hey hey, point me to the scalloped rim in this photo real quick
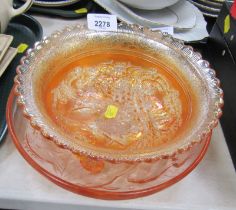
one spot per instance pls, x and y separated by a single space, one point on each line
187 51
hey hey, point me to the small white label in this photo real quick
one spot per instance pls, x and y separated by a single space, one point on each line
102 22
165 29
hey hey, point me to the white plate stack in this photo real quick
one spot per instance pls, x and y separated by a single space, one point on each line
183 17
209 8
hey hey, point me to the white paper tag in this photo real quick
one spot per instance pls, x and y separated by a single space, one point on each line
165 29
102 22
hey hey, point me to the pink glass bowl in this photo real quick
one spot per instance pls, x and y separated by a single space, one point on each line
141 165
109 180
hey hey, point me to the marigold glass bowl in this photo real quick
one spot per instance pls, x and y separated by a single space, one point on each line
134 108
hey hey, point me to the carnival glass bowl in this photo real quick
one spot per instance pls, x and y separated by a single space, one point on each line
131 98
130 95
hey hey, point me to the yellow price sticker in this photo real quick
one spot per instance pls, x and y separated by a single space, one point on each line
81 11
111 111
22 47
227 24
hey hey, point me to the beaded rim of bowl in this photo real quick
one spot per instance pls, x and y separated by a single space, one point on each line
187 51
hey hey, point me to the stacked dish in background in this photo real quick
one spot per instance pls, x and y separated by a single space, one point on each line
60 8
186 19
209 8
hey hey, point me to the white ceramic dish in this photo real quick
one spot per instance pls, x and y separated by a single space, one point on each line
149 4
179 15
7 12
198 32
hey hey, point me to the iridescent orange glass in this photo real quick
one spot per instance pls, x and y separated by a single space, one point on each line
127 112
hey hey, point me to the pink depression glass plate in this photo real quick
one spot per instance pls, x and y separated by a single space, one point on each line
104 180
